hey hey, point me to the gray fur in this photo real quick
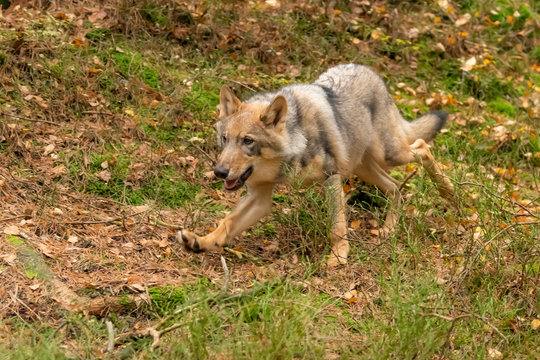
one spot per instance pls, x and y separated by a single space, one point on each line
345 113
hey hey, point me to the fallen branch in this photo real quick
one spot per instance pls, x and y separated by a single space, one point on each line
226 271
240 255
61 293
29 119
491 195
154 330
110 332
468 315
409 175
105 221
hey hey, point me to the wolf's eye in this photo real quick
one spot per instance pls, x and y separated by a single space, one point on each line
248 140
224 139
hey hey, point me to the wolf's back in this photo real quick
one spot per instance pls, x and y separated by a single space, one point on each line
357 86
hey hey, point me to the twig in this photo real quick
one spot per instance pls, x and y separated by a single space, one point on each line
490 194
164 224
409 175
226 270
104 221
212 160
110 331
12 218
236 82
467 315
98 113
242 254
29 119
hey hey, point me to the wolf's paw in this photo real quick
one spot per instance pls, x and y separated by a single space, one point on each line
338 254
334 261
190 240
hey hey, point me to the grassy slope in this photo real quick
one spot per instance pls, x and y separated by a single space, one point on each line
134 106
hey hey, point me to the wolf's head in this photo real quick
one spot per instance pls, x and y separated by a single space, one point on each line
251 136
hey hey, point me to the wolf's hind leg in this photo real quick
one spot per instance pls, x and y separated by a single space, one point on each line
422 155
371 172
338 232
256 204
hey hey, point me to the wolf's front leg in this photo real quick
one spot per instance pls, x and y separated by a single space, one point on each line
256 204
338 232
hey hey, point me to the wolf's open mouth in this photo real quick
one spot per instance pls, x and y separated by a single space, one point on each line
235 184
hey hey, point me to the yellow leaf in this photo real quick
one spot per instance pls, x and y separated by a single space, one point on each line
129 112
355 224
535 324
376 34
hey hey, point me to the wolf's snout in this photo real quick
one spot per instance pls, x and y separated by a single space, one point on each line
221 172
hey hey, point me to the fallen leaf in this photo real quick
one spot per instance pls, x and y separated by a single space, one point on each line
494 354
45 249
104 175
73 239
463 19
535 324
12 230
24 90
34 286
351 294
78 42
355 224
9 258
98 15
376 34
469 64
48 149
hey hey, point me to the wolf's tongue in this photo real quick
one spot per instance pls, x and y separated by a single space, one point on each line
230 184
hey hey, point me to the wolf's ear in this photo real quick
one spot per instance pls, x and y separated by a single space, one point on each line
228 102
276 113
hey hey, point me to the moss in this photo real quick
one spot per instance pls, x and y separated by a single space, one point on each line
3 58
98 34
131 64
502 106
166 298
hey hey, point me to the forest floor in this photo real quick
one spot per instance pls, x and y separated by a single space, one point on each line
107 146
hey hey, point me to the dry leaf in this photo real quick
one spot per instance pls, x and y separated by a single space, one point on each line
98 15
12 230
9 259
463 19
469 64
104 175
34 286
376 34
48 149
352 294
355 224
494 354
535 324
45 250
24 90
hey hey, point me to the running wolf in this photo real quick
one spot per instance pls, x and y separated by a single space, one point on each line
344 124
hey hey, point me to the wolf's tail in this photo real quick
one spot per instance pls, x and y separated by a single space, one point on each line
426 127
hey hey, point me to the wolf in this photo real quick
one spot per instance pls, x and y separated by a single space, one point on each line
344 124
